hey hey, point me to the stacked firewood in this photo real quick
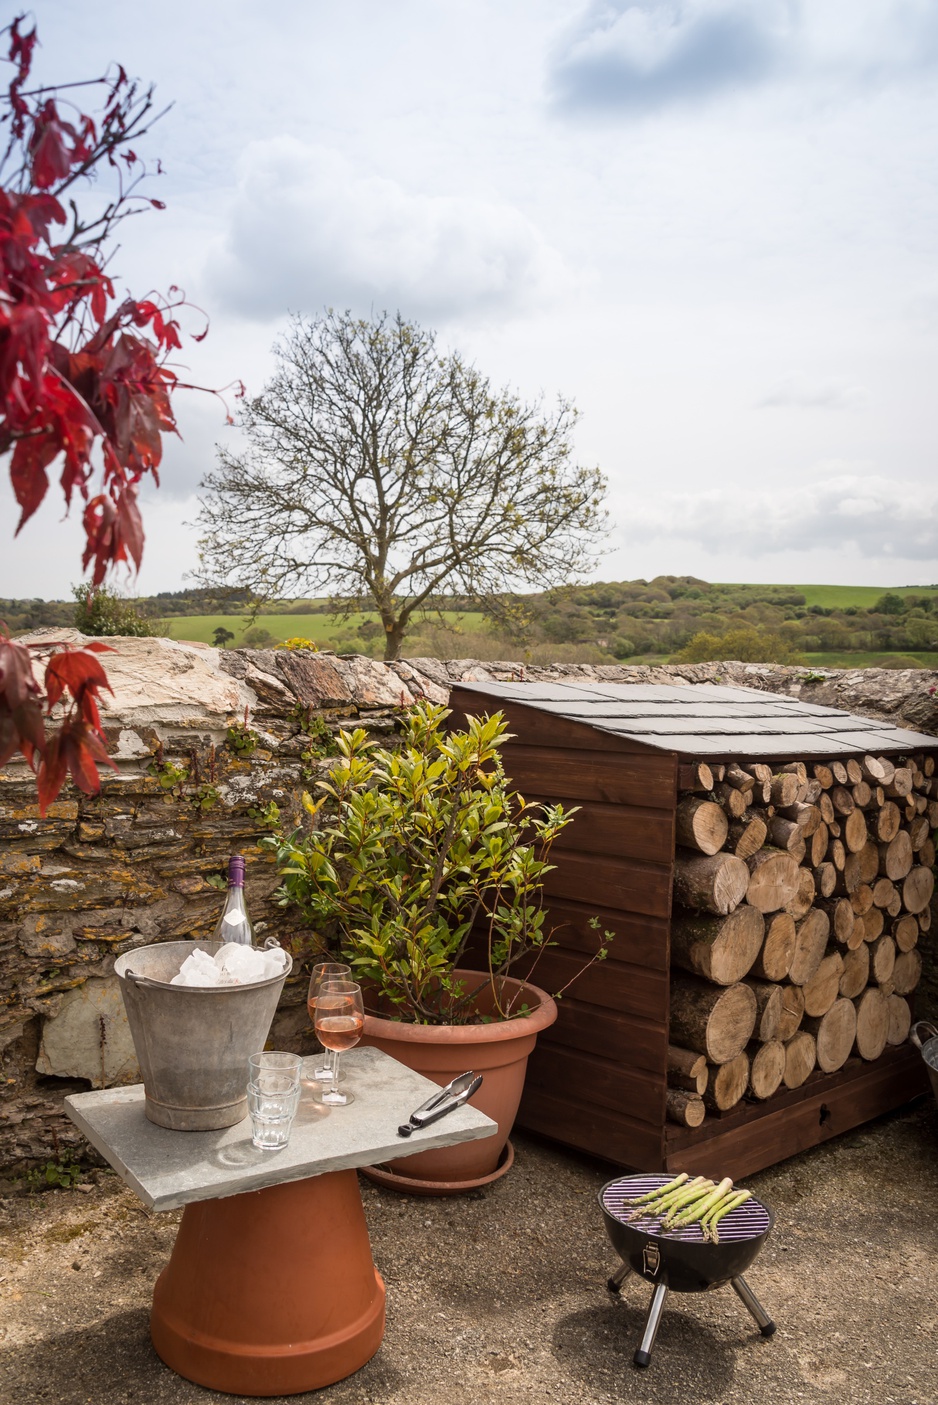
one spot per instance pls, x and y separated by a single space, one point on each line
800 892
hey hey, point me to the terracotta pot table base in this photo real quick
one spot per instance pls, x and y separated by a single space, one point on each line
271 1288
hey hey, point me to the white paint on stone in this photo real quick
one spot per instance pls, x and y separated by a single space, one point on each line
89 1037
158 681
130 746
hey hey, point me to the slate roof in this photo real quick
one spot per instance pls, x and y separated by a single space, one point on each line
706 720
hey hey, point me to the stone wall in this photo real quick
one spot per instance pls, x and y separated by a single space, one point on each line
144 860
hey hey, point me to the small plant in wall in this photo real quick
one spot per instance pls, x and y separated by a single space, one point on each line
267 816
171 778
206 797
241 740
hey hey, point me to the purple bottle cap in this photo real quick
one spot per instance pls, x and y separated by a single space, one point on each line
236 871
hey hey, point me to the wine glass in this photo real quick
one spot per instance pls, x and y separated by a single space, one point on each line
324 971
338 1020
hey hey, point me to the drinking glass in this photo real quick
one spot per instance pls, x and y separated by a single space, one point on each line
339 1019
273 1061
324 971
272 1103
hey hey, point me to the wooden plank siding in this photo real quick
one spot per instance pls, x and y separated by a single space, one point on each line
620 778
626 885
568 1118
640 941
603 1064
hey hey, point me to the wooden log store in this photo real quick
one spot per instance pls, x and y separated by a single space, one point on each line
766 866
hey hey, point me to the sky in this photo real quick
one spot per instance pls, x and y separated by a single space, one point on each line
710 223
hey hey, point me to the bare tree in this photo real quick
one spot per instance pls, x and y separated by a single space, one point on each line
383 473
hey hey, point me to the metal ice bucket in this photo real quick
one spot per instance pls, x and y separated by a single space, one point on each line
193 1042
929 1050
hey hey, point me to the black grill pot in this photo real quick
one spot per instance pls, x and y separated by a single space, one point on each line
682 1259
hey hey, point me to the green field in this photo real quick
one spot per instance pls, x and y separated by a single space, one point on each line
841 597
319 628
928 659
823 661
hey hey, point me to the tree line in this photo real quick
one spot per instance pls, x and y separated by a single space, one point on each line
680 617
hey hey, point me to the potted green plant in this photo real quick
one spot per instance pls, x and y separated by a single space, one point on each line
425 870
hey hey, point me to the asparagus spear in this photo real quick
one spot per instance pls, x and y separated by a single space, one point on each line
698 1209
717 1214
660 1191
688 1202
663 1202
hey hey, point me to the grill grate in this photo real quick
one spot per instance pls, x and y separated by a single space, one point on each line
747 1221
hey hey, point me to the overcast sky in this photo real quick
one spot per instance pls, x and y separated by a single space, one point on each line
711 223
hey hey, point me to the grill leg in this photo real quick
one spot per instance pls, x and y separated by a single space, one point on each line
748 1298
652 1321
618 1278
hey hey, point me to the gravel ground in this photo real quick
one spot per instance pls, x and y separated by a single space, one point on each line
500 1295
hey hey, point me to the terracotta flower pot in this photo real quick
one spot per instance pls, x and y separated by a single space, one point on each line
498 1051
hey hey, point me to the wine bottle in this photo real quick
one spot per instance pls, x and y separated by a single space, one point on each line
234 925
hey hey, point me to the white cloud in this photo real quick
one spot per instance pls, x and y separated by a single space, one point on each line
800 392
876 517
643 55
307 230
647 53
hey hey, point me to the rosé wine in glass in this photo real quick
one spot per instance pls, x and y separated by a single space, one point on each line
338 1019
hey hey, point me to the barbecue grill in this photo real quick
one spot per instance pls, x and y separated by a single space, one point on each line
682 1259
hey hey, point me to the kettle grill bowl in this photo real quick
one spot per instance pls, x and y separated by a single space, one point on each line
686 1262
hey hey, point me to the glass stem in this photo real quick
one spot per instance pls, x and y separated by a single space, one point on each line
335 1070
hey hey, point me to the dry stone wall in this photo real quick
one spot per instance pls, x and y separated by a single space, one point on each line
143 861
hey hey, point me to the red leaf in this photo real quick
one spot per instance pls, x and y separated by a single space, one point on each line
101 546
41 211
74 669
51 159
53 769
21 729
26 346
74 748
17 681
9 735
82 749
130 524
28 475
76 275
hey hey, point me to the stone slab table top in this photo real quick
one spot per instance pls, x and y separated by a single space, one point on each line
168 1169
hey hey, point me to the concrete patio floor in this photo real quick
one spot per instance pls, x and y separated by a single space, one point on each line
500 1296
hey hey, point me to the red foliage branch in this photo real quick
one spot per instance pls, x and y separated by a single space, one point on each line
77 744
84 377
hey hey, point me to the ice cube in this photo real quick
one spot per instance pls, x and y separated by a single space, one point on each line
199 969
245 963
275 962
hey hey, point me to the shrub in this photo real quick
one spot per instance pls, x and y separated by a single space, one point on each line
896 661
747 645
100 611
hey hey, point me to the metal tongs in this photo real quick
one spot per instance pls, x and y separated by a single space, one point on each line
452 1096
